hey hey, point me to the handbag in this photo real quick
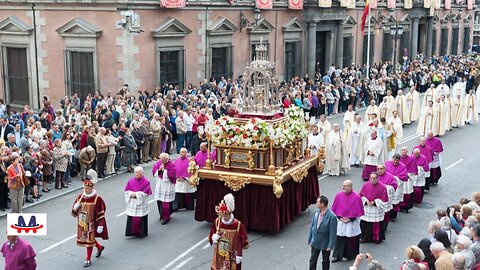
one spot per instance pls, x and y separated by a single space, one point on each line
25 181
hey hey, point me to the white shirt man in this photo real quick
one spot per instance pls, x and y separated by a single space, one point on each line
448 111
413 104
427 120
315 141
373 154
356 141
471 109
458 112
348 118
402 108
336 152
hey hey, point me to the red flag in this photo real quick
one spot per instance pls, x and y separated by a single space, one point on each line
264 4
295 4
364 16
172 3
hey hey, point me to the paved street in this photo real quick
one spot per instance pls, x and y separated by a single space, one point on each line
182 244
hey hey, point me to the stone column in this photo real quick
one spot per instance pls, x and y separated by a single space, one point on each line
339 48
312 39
428 53
414 45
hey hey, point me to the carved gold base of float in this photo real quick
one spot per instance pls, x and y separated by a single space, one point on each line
237 180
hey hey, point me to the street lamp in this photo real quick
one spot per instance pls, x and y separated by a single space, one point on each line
244 22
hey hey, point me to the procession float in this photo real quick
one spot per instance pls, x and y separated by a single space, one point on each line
260 156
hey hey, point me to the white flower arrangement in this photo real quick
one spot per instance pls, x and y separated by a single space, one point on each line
256 133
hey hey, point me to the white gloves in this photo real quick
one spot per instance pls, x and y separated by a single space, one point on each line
215 238
99 229
77 206
238 259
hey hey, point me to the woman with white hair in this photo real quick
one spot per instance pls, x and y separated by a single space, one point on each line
463 247
446 225
459 261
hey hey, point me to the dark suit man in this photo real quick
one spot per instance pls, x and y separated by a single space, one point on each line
323 234
5 128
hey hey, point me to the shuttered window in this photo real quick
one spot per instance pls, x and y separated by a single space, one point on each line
80 73
172 67
221 62
16 75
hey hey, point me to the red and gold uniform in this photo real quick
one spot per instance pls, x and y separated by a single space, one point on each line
89 209
90 215
229 237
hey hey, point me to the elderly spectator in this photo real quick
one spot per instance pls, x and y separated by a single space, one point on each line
130 150
443 259
60 158
46 160
156 129
459 262
86 158
446 226
147 135
102 151
110 163
463 247
181 127
139 137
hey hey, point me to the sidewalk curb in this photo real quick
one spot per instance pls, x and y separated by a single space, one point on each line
119 173
3 214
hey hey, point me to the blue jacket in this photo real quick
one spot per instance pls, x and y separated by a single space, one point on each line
326 235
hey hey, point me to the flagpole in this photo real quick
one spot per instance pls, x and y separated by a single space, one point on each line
368 43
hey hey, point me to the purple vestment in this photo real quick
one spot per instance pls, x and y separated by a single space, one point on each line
435 144
169 166
141 184
426 151
181 167
201 158
422 162
20 257
399 171
410 163
373 192
348 205
388 179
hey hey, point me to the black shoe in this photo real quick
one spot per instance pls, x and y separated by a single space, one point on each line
334 260
99 252
87 263
164 222
29 201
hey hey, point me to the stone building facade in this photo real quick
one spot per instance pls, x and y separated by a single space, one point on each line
60 47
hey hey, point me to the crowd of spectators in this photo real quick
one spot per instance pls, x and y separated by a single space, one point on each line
453 241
